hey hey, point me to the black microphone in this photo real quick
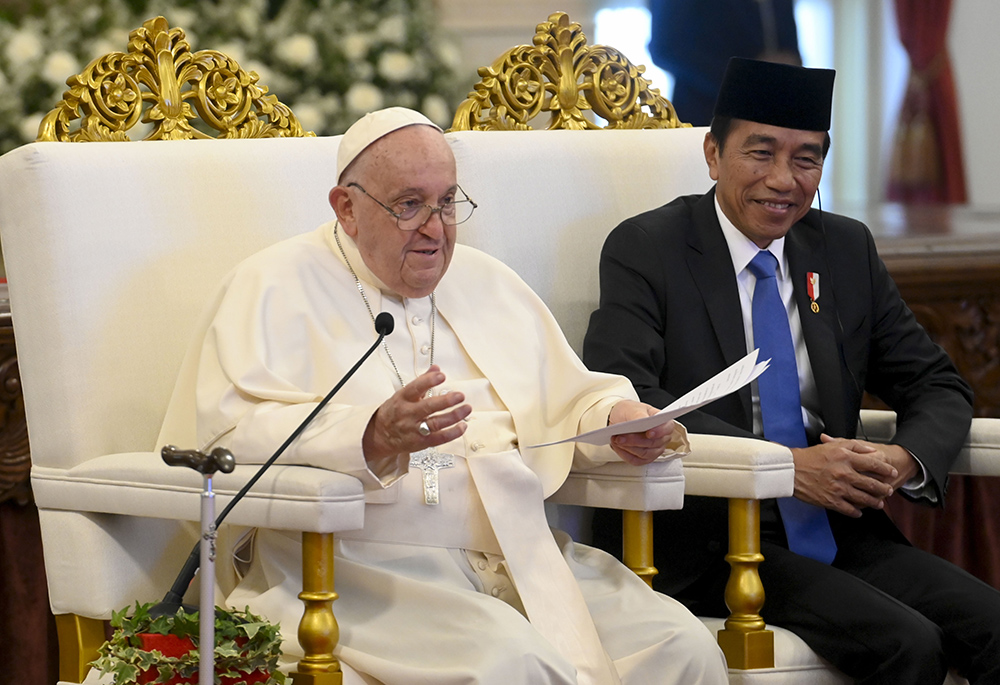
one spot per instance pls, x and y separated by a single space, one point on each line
173 600
384 324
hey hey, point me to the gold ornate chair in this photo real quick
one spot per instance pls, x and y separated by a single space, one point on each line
111 250
560 74
97 237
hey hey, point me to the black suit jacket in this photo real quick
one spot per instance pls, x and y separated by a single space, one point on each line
670 318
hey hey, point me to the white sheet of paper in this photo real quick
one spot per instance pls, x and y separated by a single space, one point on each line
719 385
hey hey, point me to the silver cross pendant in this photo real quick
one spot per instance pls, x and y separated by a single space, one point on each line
430 461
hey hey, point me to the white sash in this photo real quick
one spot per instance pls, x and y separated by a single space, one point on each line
512 496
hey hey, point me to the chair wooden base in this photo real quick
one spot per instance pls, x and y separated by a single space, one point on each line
81 638
79 641
637 533
318 630
745 641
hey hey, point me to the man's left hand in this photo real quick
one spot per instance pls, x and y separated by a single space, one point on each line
638 448
906 465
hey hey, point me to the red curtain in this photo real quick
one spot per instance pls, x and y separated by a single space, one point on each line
927 156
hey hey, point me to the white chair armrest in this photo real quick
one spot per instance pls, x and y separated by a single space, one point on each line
743 468
980 456
718 466
618 485
877 425
297 498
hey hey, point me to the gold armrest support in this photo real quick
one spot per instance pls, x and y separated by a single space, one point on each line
318 630
745 641
79 641
637 534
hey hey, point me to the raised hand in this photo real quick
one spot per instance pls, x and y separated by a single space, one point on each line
396 426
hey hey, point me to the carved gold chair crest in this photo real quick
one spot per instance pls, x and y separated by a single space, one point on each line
561 74
160 82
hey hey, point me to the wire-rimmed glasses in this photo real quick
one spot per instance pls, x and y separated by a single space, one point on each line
413 216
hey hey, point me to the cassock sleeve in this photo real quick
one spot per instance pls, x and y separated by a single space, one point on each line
264 366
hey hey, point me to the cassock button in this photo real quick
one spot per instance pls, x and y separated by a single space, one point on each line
425 349
496 592
417 320
482 565
477 446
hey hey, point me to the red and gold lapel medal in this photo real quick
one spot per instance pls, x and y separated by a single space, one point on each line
812 287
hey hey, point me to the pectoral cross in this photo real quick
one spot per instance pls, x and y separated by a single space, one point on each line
430 461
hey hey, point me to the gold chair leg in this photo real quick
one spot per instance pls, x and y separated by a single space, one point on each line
744 640
318 630
637 531
79 641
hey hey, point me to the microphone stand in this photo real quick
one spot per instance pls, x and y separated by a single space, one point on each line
220 459
203 555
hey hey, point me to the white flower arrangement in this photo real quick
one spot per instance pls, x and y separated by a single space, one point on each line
331 61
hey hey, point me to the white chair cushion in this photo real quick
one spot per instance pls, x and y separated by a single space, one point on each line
618 485
102 563
723 466
140 484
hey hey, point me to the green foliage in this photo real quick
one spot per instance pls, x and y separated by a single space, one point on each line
244 643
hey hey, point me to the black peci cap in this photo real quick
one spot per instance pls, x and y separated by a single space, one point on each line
776 94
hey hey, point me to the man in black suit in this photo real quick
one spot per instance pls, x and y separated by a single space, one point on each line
678 305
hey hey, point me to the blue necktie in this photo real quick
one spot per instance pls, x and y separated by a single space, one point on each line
806 526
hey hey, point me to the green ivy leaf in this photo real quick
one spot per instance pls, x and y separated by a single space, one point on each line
251 629
184 624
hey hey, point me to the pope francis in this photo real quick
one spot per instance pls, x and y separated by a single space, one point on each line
455 577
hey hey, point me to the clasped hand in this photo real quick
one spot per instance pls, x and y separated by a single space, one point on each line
850 475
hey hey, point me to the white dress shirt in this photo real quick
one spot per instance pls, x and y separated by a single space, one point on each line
743 250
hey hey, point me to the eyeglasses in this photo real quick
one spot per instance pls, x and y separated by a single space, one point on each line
413 215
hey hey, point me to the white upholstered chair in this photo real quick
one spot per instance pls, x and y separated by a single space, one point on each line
528 87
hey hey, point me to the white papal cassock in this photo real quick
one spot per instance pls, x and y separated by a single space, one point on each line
432 594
